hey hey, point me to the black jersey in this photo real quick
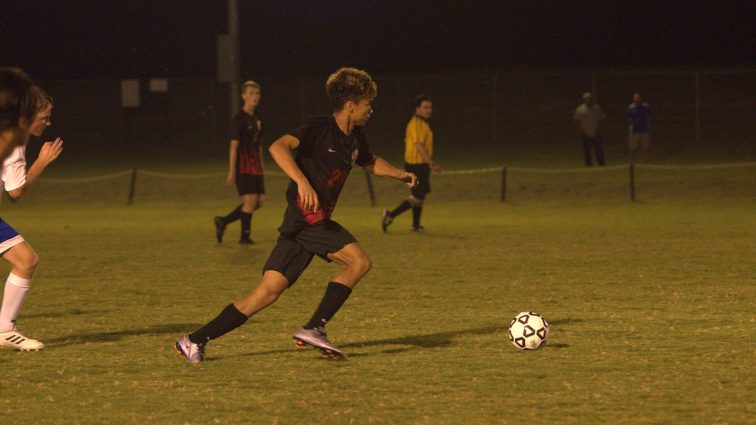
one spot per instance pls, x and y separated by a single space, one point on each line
326 156
247 129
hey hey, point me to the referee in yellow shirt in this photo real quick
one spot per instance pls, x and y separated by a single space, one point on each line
418 159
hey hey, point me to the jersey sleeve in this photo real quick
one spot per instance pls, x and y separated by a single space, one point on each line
14 172
365 155
576 115
236 128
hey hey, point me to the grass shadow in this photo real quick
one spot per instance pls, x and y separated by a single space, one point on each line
413 342
65 313
118 335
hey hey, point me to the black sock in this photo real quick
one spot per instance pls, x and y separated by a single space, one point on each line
404 206
233 215
416 212
246 224
229 319
334 297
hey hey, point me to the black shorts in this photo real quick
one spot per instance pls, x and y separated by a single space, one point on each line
422 171
293 254
250 184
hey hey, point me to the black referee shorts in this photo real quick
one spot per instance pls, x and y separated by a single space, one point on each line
250 184
422 171
292 254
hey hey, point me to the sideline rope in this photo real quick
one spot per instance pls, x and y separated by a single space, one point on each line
86 179
697 167
198 176
444 173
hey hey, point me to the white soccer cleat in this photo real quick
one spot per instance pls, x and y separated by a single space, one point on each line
19 341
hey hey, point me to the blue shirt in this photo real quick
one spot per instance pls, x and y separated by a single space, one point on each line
639 117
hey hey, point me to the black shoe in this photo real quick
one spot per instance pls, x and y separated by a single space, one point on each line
220 227
386 220
246 241
418 229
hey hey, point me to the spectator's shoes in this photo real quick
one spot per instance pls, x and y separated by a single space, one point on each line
418 229
317 338
15 339
220 227
193 353
386 220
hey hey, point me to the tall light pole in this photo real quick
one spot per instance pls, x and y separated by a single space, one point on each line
229 53
233 33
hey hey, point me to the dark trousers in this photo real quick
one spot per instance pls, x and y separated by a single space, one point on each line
597 146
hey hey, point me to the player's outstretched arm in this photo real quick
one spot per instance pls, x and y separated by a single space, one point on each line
280 150
381 168
47 155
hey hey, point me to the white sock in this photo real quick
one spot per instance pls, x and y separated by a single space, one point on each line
15 290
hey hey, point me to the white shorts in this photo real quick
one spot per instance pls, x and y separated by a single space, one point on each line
635 140
9 237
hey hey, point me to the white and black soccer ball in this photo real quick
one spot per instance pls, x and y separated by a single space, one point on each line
528 331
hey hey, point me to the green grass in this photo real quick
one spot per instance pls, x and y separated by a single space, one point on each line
651 306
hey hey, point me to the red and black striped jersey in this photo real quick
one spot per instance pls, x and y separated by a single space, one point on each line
326 156
247 129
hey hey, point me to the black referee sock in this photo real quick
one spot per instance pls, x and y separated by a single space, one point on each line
416 213
334 298
404 206
233 215
229 319
246 224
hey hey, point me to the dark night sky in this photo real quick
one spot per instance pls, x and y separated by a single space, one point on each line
171 38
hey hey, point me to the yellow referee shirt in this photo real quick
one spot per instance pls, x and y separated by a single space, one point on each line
418 131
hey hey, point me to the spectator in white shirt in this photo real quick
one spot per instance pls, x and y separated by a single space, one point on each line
587 117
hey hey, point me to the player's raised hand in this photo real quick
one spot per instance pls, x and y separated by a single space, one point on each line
410 179
308 197
50 151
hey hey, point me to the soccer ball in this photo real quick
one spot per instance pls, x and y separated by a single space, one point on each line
528 331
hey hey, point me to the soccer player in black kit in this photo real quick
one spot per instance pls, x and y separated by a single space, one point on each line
245 169
326 150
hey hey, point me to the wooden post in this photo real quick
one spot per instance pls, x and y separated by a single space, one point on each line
503 184
632 182
371 192
132 187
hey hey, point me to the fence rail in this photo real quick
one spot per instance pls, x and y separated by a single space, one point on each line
504 171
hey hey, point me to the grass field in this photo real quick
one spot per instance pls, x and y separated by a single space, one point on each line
651 307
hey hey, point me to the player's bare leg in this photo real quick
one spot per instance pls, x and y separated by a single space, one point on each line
355 264
192 346
24 262
272 285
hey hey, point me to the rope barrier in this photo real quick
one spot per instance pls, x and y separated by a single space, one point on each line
445 172
86 179
696 167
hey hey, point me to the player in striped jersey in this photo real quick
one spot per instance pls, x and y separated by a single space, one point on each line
245 165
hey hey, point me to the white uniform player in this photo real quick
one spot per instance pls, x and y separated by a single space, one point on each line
13 248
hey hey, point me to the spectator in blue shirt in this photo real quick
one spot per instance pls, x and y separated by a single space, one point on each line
639 116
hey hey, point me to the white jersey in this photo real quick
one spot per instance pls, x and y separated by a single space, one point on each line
589 117
14 169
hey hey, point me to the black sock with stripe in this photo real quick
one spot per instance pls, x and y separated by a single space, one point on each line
229 319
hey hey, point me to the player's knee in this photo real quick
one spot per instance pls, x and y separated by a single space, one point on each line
415 201
259 203
362 264
29 262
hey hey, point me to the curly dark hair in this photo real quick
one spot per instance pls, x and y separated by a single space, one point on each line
350 84
16 98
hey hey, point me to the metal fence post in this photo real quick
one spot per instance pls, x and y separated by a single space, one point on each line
632 182
132 187
503 183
